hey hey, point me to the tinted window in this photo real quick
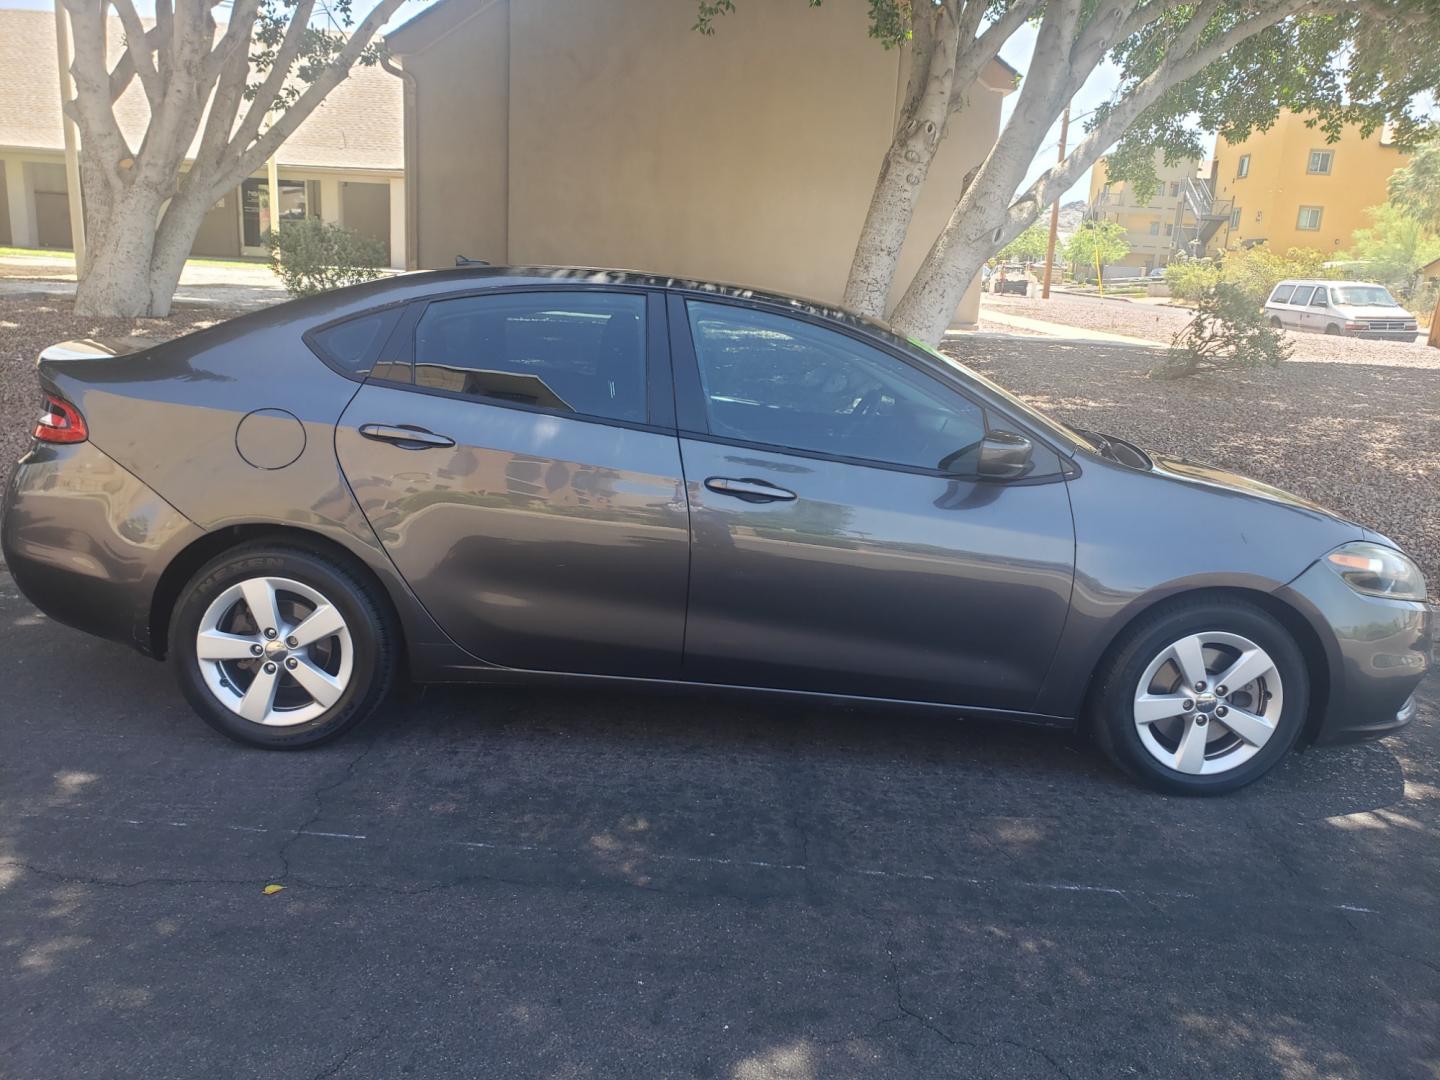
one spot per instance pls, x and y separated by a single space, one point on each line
572 351
780 381
352 344
1320 298
1282 294
1302 295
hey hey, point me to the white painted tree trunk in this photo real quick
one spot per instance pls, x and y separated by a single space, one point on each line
117 279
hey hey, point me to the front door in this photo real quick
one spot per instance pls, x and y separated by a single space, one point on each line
516 464
841 540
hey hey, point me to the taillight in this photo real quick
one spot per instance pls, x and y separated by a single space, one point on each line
60 422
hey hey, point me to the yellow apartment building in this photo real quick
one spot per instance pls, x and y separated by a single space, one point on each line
1168 223
1287 187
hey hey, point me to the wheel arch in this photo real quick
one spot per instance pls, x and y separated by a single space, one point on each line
1295 621
212 544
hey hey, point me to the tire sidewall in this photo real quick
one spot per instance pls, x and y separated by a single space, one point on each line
1120 736
367 670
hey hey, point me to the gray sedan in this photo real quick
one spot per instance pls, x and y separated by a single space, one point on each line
535 475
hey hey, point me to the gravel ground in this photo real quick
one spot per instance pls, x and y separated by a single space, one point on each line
28 325
1161 322
1360 437
1359 434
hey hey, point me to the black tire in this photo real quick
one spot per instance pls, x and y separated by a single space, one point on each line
372 636
1332 330
1276 323
1112 716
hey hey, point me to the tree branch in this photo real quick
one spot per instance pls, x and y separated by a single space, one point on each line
979 52
269 91
138 49
251 157
91 107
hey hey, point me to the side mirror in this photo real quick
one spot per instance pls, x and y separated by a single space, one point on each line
1004 456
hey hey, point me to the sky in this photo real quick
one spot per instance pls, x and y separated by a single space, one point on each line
1017 50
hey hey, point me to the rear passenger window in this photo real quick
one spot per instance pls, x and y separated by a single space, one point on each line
574 352
1282 294
1302 295
351 345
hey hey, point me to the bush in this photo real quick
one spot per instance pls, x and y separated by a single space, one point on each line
313 256
1257 270
1190 279
1229 330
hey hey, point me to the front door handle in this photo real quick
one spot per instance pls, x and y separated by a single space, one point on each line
750 490
411 438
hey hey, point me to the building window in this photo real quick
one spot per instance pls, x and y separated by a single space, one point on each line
299 199
1169 230
1242 168
1235 218
1154 228
1309 219
1320 162
1174 188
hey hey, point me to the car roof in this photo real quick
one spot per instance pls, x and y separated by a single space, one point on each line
418 284
1325 281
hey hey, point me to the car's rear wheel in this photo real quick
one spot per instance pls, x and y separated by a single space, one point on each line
1202 698
281 648
1276 322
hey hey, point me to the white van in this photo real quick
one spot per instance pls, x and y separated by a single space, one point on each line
1355 308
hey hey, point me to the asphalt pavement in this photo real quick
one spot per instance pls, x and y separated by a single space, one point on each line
512 883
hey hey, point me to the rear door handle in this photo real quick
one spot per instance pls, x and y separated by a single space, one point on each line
750 490
411 438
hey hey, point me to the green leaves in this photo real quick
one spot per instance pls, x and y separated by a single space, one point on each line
1095 245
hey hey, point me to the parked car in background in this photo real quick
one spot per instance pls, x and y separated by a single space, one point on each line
584 477
1353 308
1010 278
1158 274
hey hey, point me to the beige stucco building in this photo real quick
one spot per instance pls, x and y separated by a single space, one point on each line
344 163
610 133
1178 218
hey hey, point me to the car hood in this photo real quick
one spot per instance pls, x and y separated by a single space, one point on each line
1374 312
1193 472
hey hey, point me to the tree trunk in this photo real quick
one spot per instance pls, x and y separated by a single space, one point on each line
907 162
117 278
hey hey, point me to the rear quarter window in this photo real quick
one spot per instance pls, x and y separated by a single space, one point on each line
351 345
1282 294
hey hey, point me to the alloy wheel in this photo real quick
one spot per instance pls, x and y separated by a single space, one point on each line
274 651
1208 703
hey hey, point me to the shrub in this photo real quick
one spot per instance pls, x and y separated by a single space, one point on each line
1229 330
1257 270
1190 279
313 256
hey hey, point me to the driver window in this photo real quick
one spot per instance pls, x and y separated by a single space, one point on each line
780 381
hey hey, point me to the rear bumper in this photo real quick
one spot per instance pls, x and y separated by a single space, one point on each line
1377 651
86 541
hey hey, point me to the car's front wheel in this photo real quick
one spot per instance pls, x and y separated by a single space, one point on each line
1202 698
280 647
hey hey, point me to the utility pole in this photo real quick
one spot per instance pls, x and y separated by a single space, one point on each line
1055 212
72 153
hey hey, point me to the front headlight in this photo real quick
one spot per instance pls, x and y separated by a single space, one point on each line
1376 570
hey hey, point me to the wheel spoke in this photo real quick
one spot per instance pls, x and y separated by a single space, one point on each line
318 684
1189 653
1252 664
260 698
1152 707
260 599
218 645
1253 728
320 624
1190 754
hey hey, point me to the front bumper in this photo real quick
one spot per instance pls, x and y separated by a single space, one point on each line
1377 652
1384 335
86 541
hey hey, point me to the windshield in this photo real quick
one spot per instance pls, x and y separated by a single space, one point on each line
1039 419
1363 296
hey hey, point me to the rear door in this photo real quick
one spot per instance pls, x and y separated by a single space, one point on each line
515 453
842 542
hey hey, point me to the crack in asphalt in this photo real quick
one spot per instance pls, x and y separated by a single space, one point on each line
319 795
